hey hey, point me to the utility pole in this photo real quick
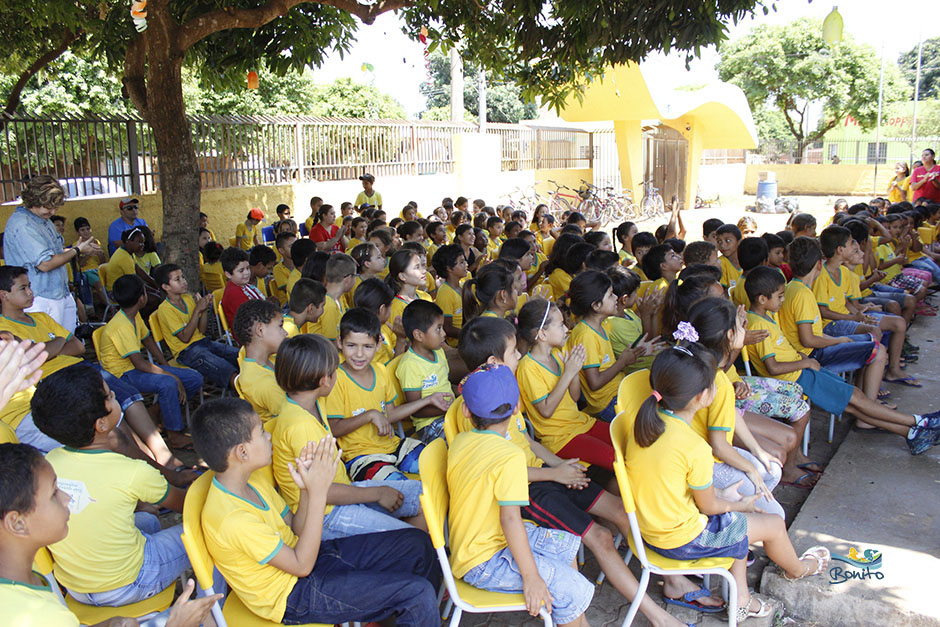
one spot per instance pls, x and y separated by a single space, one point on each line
881 88
920 50
481 84
456 85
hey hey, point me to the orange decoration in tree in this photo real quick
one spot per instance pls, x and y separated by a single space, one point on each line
252 80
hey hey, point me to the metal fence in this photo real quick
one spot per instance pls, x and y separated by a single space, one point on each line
886 151
118 156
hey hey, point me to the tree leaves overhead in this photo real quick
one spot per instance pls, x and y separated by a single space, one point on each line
929 70
789 66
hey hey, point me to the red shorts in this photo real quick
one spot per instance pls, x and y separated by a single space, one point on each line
593 447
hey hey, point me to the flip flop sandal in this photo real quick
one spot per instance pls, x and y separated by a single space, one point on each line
883 394
888 405
689 600
910 382
820 554
798 483
751 558
807 468
746 612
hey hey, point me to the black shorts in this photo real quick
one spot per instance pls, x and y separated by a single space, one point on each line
554 506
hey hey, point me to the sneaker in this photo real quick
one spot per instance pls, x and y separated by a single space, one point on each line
924 438
933 420
910 347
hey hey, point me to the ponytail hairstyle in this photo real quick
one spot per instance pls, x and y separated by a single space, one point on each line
322 211
532 318
586 290
483 289
560 250
680 296
363 253
712 319
678 375
398 263
622 234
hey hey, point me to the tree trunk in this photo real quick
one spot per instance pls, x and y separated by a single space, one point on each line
180 180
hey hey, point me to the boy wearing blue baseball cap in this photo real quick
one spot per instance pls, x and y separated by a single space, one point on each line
491 547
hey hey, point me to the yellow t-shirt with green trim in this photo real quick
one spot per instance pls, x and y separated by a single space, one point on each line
730 275
883 253
600 355
451 303
122 262
398 307
662 478
375 199
485 471
415 373
721 414
799 307
328 323
774 345
859 271
278 285
243 538
245 237
536 382
559 281
259 387
455 422
831 291
103 550
294 426
173 320
292 278
41 328
26 605
348 399
120 339
739 295
213 277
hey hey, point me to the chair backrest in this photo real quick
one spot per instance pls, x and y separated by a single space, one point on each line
618 436
156 328
634 389
96 341
435 498
193 539
304 232
103 275
267 234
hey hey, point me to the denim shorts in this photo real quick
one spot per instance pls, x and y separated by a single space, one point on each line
847 357
360 518
724 535
608 413
882 288
164 561
554 551
841 328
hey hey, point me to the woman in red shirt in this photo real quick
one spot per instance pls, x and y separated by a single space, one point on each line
325 233
925 180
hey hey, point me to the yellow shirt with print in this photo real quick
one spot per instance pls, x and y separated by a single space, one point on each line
536 382
799 307
662 478
484 472
721 414
348 399
41 328
245 237
600 355
294 426
559 281
25 605
173 320
120 339
739 295
451 303
258 386
774 345
730 275
831 291
883 253
278 285
417 374
103 550
398 308
375 199
122 262
858 270
243 538
147 261
456 422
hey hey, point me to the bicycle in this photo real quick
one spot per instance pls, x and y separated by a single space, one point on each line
652 205
707 203
559 203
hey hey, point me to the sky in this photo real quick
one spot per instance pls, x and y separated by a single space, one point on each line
399 62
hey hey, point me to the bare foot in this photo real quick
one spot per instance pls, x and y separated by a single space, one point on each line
178 440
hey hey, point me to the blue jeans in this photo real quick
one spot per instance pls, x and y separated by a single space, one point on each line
608 413
216 361
881 288
370 578
125 393
846 357
928 264
164 561
363 518
164 386
553 551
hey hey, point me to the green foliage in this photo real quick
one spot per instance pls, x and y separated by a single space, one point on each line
770 123
442 114
786 67
929 68
347 99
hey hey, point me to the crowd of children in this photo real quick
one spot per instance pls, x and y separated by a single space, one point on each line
349 345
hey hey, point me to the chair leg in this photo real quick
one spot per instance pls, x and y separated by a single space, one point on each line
806 441
580 556
732 585
456 619
447 608
640 593
832 424
546 618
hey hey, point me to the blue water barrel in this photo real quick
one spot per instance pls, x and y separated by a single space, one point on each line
767 189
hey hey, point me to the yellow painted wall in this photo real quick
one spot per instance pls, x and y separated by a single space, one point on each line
570 177
808 179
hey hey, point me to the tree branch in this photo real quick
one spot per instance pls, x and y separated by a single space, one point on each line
201 27
824 129
13 100
135 71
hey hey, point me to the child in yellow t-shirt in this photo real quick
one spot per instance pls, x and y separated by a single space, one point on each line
89 262
306 370
361 406
451 265
338 279
376 295
680 512
112 555
211 272
423 370
258 327
267 554
407 273
727 237
306 304
247 233
261 260
282 270
637 317
184 322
